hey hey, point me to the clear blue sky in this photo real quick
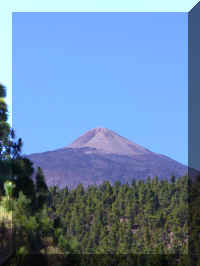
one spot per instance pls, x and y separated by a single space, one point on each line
124 71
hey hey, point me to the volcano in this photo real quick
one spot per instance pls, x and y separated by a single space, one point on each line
108 141
99 155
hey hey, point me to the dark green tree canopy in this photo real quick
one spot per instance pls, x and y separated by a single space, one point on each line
41 188
9 148
13 166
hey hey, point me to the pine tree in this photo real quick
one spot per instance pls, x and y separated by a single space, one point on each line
4 126
13 166
9 148
41 188
23 171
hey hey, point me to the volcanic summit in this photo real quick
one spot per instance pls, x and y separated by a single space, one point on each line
101 154
108 141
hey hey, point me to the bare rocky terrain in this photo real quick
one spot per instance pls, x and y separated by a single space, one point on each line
101 154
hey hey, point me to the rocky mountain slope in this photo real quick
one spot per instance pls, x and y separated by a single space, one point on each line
101 154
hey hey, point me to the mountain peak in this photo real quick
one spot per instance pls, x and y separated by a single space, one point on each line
100 129
101 154
108 141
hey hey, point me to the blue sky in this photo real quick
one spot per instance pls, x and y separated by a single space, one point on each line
8 7
124 71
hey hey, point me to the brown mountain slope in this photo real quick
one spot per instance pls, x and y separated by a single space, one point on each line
109 142
101 154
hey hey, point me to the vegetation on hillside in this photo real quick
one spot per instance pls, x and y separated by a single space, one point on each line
147 217
114 224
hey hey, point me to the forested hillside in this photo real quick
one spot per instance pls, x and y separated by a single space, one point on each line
149 221
142 218
147 217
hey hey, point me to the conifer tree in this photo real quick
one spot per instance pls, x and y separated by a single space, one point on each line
9 148
22 169
41 188
13 166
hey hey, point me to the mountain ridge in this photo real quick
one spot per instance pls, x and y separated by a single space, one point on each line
99 155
